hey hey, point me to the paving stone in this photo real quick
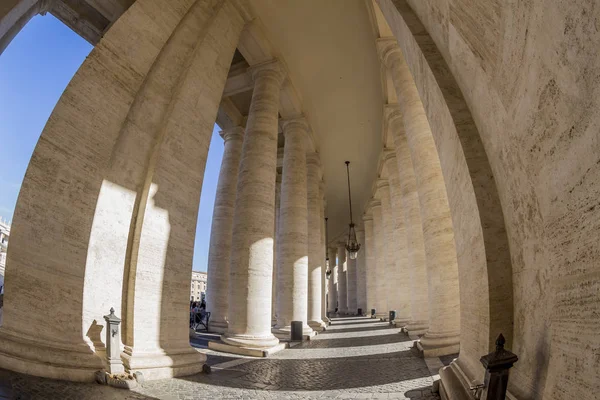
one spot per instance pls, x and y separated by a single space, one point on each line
346 362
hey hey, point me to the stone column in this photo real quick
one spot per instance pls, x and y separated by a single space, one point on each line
398 249
315 261
392 274
323 253
333 280
370 261
379 273
252 250
219 251
342 279
292 236
351 279
276 229
443 334
419 292
361 272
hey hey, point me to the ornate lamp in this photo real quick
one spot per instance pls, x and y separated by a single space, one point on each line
352 245
328 273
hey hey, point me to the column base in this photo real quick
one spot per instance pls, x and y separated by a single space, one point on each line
439 344
382 316
416 328
250 341
217 326
285 332
400 322
317 326
246 351
54 360
163 364
454 384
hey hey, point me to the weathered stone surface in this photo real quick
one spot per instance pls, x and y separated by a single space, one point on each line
107 173
292 235
443 334
219 252
251 266
315 252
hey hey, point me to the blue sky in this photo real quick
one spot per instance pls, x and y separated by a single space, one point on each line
34 71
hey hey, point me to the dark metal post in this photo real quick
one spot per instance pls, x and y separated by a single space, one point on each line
296 332
373 311
497 365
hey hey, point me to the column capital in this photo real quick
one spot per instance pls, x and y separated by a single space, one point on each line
294 124
269 69
388 50
367 217
234 133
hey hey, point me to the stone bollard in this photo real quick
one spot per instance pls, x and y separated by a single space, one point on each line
497 365
113 341
296 331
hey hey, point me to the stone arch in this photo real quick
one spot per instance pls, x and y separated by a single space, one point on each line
107 211
485 271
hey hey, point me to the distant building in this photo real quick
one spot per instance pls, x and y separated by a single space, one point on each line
198 286
4 235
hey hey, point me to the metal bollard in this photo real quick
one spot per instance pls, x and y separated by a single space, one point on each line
373 312
392 316
296 332
497 364
360 311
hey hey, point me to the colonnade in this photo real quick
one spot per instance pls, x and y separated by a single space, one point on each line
271 271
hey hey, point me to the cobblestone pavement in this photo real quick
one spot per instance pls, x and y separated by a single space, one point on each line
356 358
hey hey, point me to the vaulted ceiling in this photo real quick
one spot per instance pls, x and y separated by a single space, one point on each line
329 50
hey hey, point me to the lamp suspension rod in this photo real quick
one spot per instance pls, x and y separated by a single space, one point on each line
349 194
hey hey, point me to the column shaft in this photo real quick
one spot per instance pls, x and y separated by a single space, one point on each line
351 277
370 262
323 251
442 267
419 292
342 279
361 273
219 252
380 286
276 227
315 261
333 280
392 272
292 249
399 251
252 246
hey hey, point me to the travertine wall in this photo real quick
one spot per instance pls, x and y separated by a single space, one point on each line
528 74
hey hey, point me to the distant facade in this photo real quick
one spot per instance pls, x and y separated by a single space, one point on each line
198 286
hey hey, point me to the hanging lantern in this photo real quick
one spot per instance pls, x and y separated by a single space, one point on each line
352 245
